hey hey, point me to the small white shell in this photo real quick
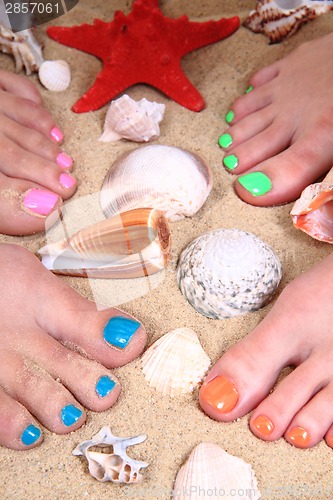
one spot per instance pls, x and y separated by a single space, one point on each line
116 466
134 120
210 471
55 75
164 177
176 363
228 272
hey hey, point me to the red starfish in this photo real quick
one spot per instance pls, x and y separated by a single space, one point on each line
142 47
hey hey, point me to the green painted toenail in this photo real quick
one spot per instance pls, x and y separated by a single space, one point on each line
230 162
229 116
249 89
225 140
256 183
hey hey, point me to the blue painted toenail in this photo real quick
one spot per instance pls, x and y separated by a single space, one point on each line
119 331
30 435
104 386
70 414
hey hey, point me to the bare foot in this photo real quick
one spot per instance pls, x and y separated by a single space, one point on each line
281 131
34 171
297 331
47 334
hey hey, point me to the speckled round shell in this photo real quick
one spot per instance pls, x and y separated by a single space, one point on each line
228 272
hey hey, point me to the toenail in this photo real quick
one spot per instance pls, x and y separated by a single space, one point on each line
263 424
256 183
220 393
104 386
67 181
299 436
230 162
119 331
70 414
229 116
56 134
225 140
249 89
30 435
329 441
40 201
64 161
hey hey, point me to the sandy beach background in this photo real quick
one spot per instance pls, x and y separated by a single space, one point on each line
173 426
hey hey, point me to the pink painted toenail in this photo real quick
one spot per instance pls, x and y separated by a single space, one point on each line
299 436
67 181
40 201
263 425
56 134
64 161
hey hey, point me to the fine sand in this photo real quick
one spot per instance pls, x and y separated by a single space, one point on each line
173 426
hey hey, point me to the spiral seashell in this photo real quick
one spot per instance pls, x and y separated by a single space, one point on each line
313 211
168 370
164 177
55 75
133 120
133 244
228 272
23 46
211 469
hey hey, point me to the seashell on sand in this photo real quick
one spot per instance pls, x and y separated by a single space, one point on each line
164 177
176 363
313 211
133 120
24 47
279 19
228 272
115 466
55 75
212 471
131 245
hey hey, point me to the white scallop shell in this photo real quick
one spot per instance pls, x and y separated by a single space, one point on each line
210 471
279 19
164 177
228 272
134 120
176 363
116 466
55 75
23 46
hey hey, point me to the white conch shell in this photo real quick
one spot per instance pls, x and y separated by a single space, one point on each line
211 469
228 272
131 245
116 466
55 75
164 177
313 211
176 363
279 19
134 120
24 47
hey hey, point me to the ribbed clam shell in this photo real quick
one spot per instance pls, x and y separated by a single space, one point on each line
55 75
133 120
279 19
176 363
212 471
228 272
131 245
116 466
164 177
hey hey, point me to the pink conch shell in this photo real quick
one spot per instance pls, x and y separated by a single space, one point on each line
279 19
313 211
133 120
23 46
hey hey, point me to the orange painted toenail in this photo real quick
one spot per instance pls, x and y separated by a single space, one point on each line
263 425
330 441
220 393
299 436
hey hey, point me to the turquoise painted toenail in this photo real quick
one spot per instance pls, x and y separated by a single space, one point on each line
70 414
229 116
104 386
30 435
256 183
249 89
230 162
119 331
225 140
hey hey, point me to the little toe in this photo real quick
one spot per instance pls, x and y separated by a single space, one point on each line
265 74
19 85
250 102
